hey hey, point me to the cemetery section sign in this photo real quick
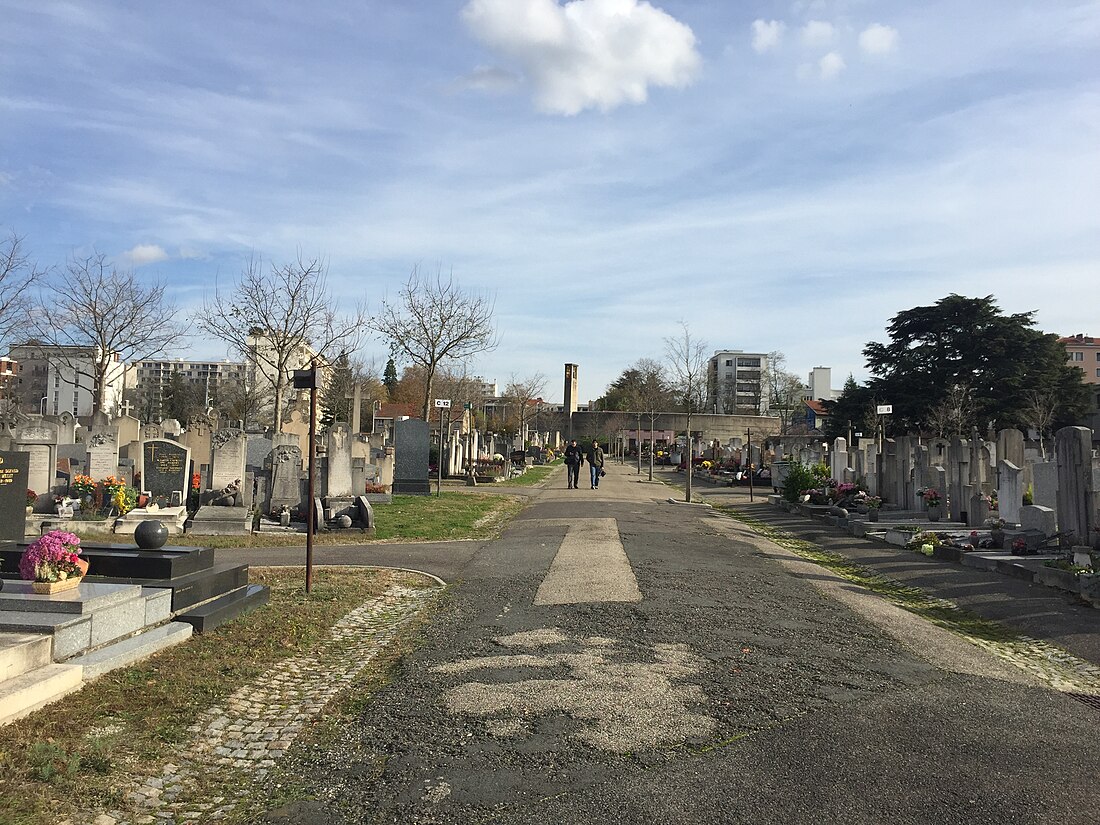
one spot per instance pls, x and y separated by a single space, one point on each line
14 469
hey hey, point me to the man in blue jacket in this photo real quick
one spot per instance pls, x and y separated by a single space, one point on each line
574 458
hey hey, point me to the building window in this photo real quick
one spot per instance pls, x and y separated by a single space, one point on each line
1098 372
1077 356
729 363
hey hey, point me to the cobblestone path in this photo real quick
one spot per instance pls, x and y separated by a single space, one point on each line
260 720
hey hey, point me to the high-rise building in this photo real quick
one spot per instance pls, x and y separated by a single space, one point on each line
54 379
151 380
736 383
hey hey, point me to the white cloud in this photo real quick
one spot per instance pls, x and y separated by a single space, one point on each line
878 39
145 254
831 65
491 79
766 34
818 33
588 53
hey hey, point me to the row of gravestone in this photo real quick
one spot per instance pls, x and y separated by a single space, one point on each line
970 473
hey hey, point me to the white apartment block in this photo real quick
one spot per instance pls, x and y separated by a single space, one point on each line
152 378
737 383
53 380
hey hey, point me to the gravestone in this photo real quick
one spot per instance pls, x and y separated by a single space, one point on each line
228 457
102 454
285 471
66 428
1073 448
1044 476
151 431
39 440
164 469
411 445
338 449
1010 493
1034 517
14 467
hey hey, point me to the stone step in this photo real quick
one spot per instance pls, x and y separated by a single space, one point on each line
22 652
87 597
74 633
216 612
200 586
31 690
133 649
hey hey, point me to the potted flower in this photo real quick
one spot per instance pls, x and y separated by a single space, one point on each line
83 487
932 499
52 563
996 531
32 497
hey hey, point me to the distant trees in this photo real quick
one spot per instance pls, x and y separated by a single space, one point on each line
278 318
97 318
967 343
525 392
338 394
784 388
433 321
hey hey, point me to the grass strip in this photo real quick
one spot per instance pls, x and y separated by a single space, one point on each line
530 477
448 517
80 752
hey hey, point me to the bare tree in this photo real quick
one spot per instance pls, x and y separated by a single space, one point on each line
433 320
952 415
279 318
1040 410
784 388
525 393
18 274
96 318
651 395
244 403
687 360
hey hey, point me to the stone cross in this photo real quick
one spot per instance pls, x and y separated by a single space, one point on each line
356 398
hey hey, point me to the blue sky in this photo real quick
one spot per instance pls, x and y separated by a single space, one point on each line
781 175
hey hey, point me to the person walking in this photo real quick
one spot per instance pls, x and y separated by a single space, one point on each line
574 458
595 463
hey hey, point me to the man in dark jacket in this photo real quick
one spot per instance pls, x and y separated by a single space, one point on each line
595 463
574 458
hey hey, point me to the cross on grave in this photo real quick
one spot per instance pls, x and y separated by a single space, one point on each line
126 407
356 398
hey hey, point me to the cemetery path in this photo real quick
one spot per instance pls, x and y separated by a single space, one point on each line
616 658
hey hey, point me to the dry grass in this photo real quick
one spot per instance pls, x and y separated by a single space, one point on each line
83 749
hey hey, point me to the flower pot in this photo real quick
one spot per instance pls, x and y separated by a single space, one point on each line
935 513
872 514
150 534
997 537
49 588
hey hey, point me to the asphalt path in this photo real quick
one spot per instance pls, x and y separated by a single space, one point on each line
617 658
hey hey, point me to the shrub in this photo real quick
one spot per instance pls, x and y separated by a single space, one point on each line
799 478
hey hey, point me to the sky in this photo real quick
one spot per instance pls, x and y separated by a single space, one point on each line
779 176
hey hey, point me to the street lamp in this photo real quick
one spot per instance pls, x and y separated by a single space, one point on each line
42 405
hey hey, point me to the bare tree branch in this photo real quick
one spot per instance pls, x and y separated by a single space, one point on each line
687 359
433 321
18 274
98 317
279 318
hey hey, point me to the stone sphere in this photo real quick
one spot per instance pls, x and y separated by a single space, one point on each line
344 521
150 535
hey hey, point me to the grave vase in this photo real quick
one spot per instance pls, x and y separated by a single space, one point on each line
872 514
997 537
935 512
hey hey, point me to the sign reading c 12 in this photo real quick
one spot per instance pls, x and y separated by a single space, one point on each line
443 403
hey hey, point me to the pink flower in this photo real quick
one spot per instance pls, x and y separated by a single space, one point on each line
47 558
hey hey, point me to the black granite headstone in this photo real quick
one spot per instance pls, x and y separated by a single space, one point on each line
165 465
411 448
14 470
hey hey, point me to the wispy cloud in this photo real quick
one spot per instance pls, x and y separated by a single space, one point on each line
817 33
878 39
143 254
831 65
766 34
588 53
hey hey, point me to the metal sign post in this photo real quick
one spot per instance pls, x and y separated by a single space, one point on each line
441 404
301 380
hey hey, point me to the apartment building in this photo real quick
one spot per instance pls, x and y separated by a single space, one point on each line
151 380
736 383
54 379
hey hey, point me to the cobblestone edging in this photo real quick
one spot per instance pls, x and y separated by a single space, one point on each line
260 720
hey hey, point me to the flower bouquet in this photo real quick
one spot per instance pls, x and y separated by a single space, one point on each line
82 486
931 497
53 563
